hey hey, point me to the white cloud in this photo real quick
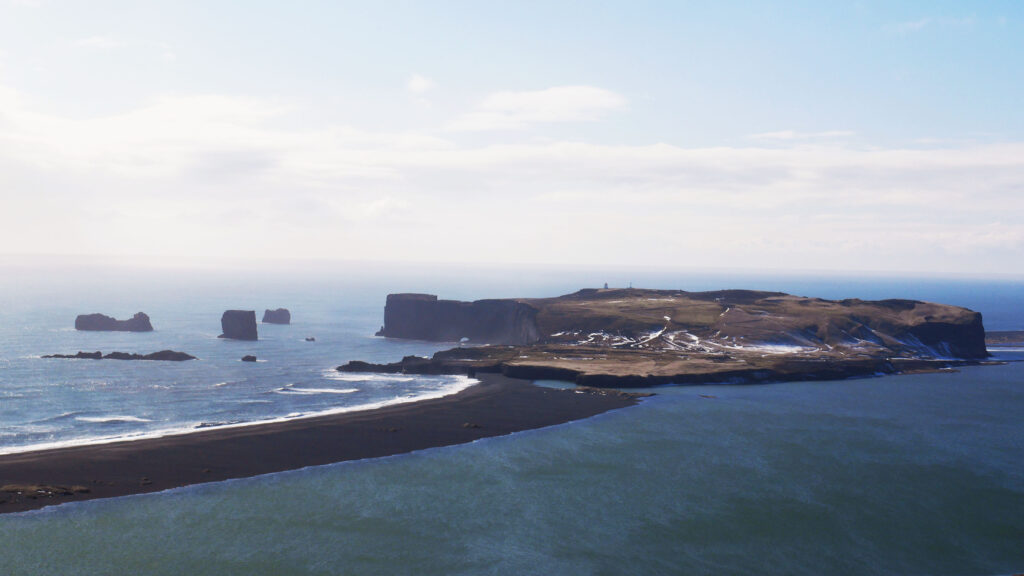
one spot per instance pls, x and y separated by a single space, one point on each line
419 85
167 53
195 175
517 110
164 52
100 43
796 135
912 26
965 23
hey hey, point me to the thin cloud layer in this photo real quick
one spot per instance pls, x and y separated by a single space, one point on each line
418 84
198 174
796 135
518 110
99 42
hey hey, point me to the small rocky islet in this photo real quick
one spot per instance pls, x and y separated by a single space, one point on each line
103 323
235 325
239 325
164 355
278 316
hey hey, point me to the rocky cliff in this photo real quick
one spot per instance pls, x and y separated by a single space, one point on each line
279 316
633 337
99 322
731 322
424 317
238 325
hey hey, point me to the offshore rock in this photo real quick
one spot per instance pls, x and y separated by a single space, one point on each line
100 322
279 316
165 355
238 325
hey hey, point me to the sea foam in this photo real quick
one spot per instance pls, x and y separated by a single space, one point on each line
456 385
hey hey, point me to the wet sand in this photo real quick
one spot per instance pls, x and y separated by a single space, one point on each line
496 406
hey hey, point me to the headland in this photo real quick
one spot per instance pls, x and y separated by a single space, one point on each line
635 337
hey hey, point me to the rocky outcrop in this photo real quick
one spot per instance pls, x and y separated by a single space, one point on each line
424 317
100 322
165 355
279 316
79 356
238 325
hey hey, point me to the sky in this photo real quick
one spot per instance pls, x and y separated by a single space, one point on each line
829 136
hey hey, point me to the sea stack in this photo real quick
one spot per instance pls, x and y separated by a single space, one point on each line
101 322
238 325
279 316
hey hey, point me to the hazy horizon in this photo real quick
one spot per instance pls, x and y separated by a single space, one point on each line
72 263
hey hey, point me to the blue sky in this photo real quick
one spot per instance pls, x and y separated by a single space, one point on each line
877 136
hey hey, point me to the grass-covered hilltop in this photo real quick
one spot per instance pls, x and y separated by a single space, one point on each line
638 337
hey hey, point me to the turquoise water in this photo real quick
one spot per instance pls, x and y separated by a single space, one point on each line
917 474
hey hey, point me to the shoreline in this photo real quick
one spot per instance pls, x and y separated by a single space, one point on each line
497 406
203 427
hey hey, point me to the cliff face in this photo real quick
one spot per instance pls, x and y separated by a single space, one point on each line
238 325
951 335
730 322
966 340
617 338
99 322
424 317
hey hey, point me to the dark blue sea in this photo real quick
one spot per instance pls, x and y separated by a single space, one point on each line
916 474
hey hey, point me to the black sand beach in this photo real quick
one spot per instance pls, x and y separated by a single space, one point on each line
496 406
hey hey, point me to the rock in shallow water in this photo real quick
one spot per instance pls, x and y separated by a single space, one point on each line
100 322
279 316
167 355
238 325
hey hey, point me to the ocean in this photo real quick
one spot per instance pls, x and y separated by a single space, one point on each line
915 474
